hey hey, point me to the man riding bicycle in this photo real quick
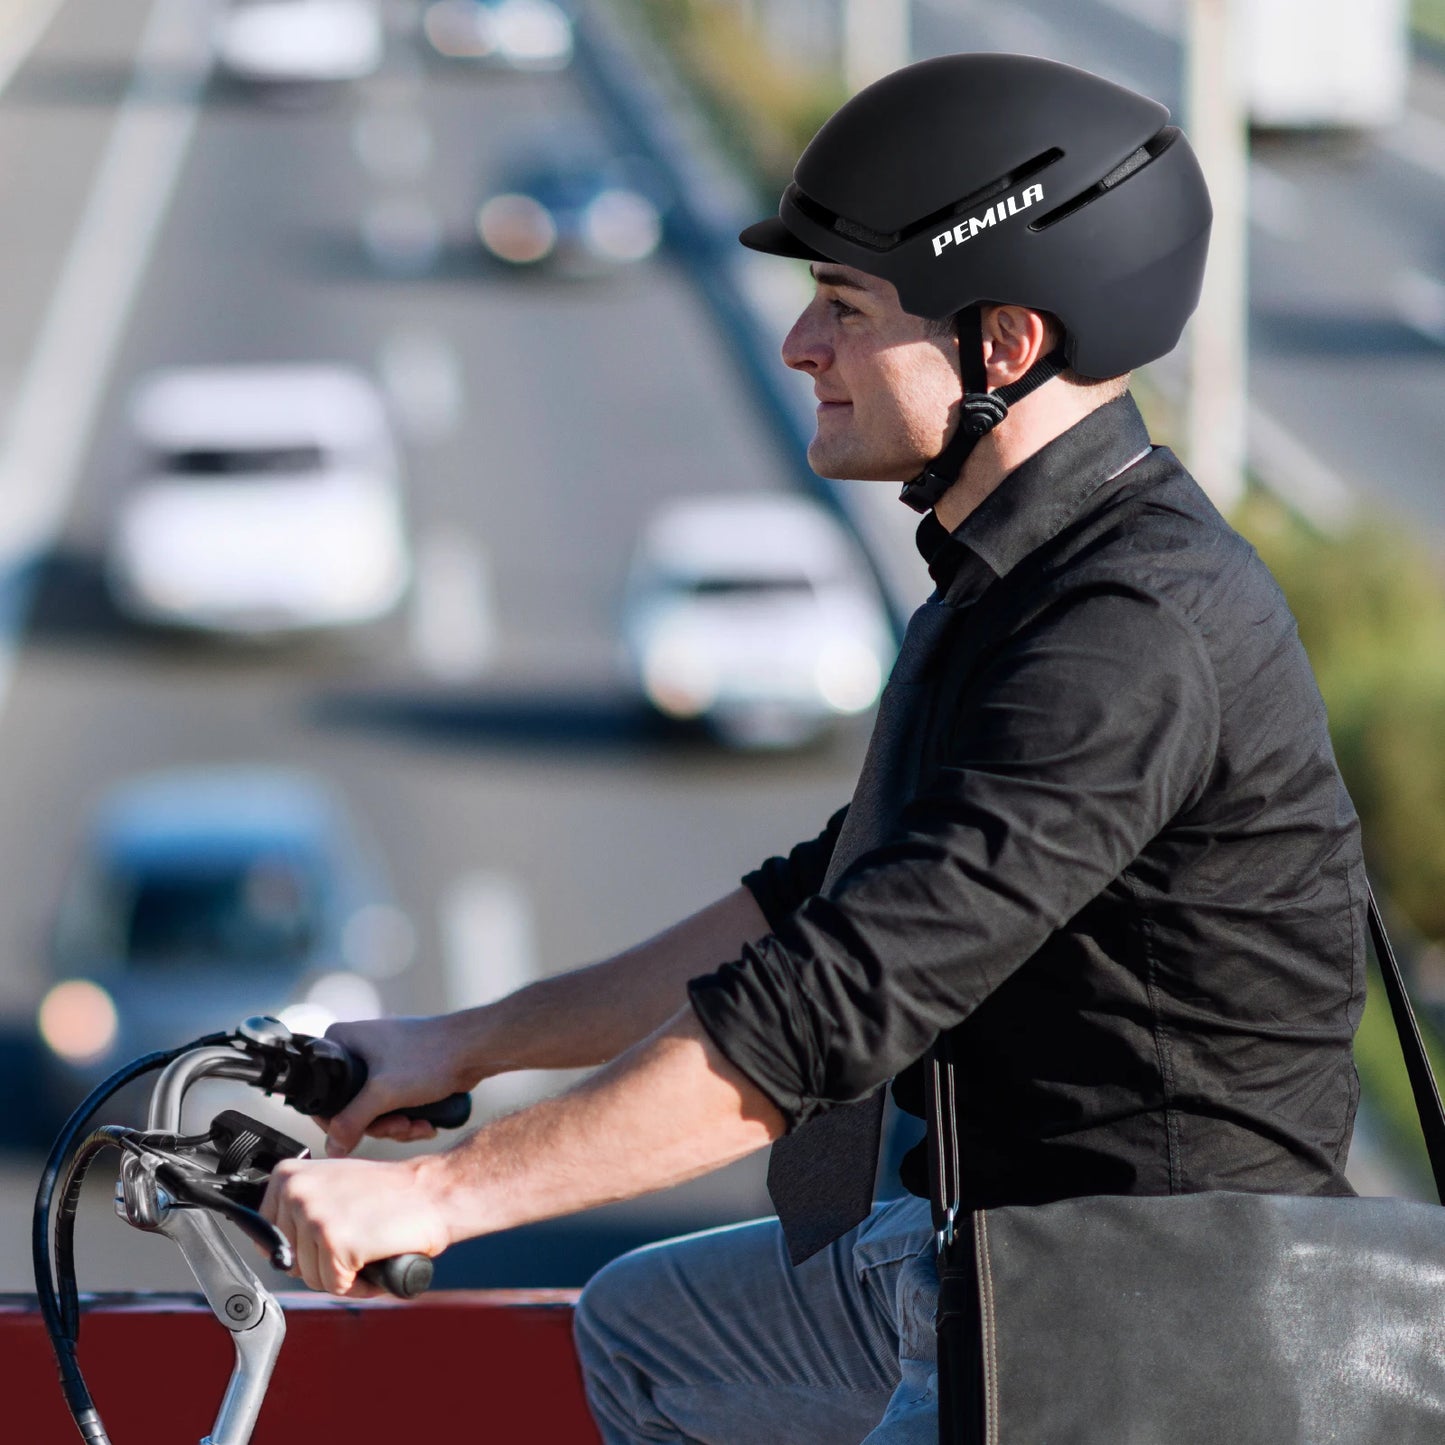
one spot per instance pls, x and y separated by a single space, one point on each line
1099 860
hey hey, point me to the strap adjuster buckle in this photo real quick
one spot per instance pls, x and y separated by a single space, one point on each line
945 1236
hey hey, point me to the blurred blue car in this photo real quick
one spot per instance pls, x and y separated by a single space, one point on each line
565 204
200 897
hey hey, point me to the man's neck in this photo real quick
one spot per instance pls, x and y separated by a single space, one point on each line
1030 425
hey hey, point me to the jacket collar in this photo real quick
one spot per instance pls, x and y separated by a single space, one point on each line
1034 503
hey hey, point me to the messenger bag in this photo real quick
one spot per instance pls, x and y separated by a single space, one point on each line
1196 1319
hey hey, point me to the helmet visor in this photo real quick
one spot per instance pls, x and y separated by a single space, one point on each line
776 239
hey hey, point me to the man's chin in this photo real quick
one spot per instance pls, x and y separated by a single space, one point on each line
839 465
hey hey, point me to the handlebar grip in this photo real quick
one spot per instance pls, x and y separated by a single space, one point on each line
449 1113
334 1076
403 1275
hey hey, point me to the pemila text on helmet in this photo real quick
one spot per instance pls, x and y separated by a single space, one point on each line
967 229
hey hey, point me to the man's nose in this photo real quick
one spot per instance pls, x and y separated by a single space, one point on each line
805 348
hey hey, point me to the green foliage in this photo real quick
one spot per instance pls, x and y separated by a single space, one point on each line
763 110
1427 17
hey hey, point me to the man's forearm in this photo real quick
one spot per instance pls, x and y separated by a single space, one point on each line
591 1015
668 1110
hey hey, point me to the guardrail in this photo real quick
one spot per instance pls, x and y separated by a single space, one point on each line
485 1364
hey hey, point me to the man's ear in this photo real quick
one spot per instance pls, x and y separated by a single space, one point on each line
1014 338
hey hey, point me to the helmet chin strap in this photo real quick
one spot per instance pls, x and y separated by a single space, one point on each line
979 410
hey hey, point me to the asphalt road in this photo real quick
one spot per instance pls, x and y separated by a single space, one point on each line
1347 271
530 817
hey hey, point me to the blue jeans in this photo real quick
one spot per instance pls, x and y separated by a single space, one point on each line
716 1339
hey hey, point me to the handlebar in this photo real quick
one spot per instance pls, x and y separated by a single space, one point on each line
178 1186
320 1077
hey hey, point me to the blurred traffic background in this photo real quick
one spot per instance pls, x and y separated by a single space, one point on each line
412 583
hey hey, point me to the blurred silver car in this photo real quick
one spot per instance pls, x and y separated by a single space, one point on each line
297 42
200 897
271 502
753 613
515 34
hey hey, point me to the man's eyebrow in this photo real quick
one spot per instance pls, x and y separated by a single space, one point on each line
833 276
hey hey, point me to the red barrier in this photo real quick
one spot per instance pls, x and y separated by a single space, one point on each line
493 1365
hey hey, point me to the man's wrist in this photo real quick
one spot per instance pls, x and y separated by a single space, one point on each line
475 1037
460 1209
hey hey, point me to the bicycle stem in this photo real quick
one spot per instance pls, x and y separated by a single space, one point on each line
235 1295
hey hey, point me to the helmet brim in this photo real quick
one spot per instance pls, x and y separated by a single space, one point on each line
774 238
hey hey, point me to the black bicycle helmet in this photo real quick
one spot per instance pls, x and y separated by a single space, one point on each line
969 179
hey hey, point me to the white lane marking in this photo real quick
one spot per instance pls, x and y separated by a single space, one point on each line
22 23
393 144
1419 139
488 938
1276 203
489 950
1420 304
453 622
61 388
422 374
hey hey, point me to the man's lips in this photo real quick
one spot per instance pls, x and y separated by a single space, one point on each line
827 404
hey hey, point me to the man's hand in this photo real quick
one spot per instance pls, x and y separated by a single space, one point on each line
409 1061
671 1108
341 1214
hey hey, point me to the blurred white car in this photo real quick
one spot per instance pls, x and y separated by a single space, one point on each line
201 896
754 614
517 34
296 42
272 502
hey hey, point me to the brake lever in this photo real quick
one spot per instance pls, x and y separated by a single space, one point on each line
221 1196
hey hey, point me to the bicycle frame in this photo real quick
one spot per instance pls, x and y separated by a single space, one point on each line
235 1295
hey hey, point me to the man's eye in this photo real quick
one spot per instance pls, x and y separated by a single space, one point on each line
842 308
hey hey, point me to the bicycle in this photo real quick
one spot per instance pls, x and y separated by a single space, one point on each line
182 1186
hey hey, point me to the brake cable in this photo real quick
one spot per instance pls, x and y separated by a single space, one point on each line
53 1311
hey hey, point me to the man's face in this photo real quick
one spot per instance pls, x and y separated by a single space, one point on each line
884 381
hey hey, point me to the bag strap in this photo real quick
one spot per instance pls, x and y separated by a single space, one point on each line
1417 1062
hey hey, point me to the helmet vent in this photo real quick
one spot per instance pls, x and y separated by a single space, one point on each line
985 194
1135 161
886 240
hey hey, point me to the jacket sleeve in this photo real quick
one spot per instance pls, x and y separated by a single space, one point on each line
1077 743
782 884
